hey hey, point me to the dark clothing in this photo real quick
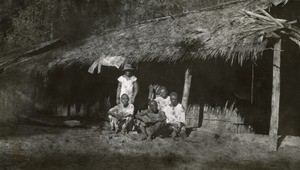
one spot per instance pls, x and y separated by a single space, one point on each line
155 128
176 131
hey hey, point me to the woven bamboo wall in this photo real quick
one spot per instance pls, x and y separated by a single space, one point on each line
224 120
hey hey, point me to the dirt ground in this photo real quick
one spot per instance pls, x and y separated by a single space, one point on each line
40 147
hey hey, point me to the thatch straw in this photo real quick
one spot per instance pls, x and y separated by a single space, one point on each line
224 33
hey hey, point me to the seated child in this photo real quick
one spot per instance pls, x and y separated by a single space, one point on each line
151 121
175 114
120 116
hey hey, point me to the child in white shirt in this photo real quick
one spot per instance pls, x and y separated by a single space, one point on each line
127 84
163 100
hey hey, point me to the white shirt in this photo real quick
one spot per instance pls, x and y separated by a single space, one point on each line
121 110
162 103
175 114
127 85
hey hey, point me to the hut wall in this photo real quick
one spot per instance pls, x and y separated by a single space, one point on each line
16 96
216 83
224 119
62 92
75 92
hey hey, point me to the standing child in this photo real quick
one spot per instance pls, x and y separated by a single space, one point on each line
127 84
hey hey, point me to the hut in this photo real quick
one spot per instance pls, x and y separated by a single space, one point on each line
235 32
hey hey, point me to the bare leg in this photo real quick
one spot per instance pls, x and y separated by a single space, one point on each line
173 129
182 132
113 122
125 125
144 131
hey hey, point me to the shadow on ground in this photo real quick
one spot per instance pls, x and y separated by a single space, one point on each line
144 161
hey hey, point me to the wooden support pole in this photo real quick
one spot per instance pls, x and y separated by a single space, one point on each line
186 88
252 82
274 121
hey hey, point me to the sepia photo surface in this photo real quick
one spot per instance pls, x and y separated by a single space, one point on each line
149 84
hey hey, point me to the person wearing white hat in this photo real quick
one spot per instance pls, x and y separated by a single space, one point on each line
127 84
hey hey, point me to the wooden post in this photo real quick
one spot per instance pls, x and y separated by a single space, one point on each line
274 121
186 88
252 82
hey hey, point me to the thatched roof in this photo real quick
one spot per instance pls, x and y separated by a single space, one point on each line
227 33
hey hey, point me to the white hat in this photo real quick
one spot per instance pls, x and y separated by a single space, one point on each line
127 67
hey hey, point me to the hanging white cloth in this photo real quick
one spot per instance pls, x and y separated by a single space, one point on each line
114 61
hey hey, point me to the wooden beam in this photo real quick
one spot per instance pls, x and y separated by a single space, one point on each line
249 13
271 18
274 121
186 88
252 82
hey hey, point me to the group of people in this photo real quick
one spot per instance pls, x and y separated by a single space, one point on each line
164 115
